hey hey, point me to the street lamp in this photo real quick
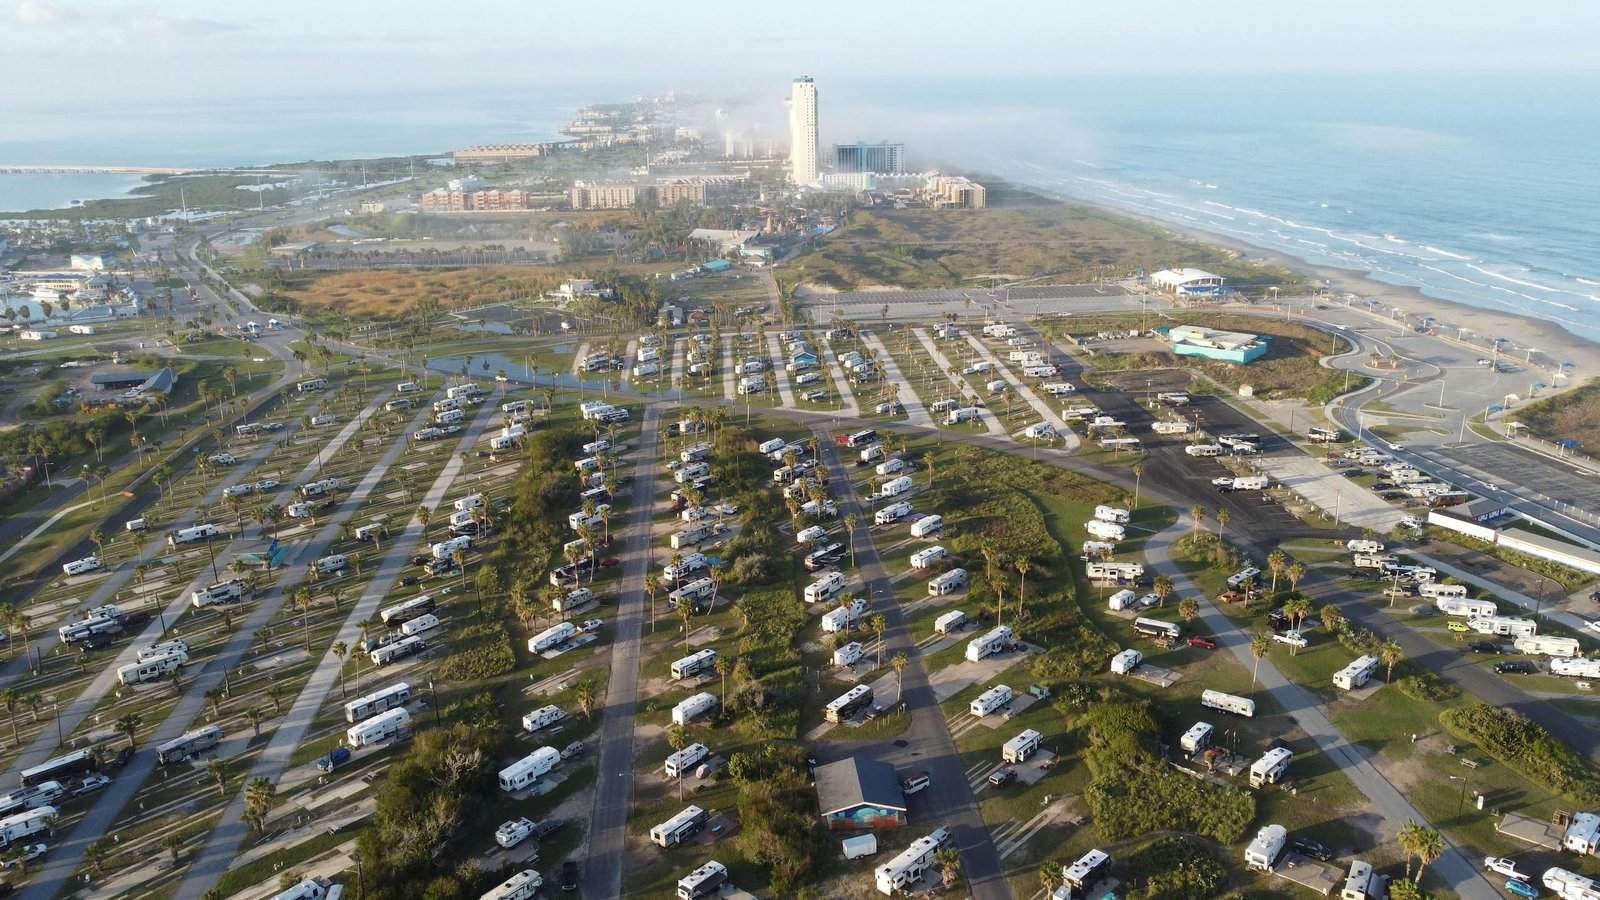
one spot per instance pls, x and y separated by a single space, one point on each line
435 700
1461 800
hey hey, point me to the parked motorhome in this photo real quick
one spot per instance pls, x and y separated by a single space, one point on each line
824 587
927 556
950 622
189 745
329 565
1547 645
1264 850
525 771
361 708
1126 662
848 654
1503 625
845 706
703 882
892 513
696 663
552 637
686 759
222 592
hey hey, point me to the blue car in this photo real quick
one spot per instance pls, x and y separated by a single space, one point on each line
1521 888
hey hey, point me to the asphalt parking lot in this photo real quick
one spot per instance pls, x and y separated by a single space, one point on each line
1524 473
932 304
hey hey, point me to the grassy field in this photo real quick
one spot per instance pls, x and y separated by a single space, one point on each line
387 293
1021 234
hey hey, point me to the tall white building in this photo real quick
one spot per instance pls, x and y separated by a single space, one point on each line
803 131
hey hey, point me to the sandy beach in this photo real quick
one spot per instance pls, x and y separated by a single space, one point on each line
1552 344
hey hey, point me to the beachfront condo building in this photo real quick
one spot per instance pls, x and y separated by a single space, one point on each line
803 131
884 158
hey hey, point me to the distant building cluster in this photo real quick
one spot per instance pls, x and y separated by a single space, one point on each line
955 192
446 200
883 158
696 191
498 153
737 145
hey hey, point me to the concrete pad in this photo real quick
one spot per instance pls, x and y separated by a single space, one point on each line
1156 675
1534 831
1034 770
340 791
1309 873
729 892
1365 691
1003 720
278 660
704 636
580 640
952 680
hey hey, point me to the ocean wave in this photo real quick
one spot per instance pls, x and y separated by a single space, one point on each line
1581 280
1549 289
1432 249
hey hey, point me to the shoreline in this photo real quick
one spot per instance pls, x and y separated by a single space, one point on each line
1549 339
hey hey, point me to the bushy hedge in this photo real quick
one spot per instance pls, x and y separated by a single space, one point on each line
1428 687
1526 748
1132 791
479 652
777 815
1175 868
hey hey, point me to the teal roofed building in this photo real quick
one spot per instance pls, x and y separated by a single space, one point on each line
1209 343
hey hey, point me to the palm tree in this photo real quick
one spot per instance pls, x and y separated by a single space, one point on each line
1277 561
129 726
1198 514
927 463
850 521
218 770
1189 609
879 624
1429 847
97 853
686 612
340 651
1411 839
1163 588
588 693
258 796
424 516
1259 647
214 697
652 584
1022 565
949 863
1332 616
677 739
899 662
724 665
302 602
1391 652
1295 572
1222 523
254 715
172 843
1138 477
8 699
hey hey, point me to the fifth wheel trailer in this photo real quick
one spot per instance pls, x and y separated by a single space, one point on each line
1570 885
993 699
377 729
680 827
1460 606
529 769
189 745
703 882
522 886
1547 645
1503 625
361 708
693 708
686 759
908 867
1019 748
23 824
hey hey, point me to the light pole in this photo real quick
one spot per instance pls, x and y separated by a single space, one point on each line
435 701
1461 800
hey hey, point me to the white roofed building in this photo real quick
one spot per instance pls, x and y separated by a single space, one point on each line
1187 281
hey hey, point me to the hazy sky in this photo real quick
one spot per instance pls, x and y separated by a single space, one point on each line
176 48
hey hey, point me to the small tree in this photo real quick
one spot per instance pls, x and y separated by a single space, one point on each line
677 739
1260 645
899 662
1332 617
1391 652
949 863
340 651
1189 609
218 770
129 725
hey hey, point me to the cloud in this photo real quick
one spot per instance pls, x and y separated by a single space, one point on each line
32 14
153 23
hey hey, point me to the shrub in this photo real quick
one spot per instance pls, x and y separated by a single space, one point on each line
1428 687
1176 868
480 652
1128 802
1525 748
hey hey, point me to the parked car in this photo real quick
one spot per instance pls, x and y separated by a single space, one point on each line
28 853
1003 777
575 748
1504 867
1312 848
1202 642
90 784
124 757
591 626
1521 888
1484 647
1514 667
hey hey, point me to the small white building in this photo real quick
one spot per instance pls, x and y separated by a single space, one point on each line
1186 281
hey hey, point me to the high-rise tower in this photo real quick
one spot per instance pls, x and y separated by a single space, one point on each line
803 131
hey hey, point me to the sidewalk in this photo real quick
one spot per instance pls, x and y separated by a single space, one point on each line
960 386
1462 876
916 414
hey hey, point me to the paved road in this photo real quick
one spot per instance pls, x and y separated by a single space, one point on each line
193 703
1353 761
948 800
604 861
224 839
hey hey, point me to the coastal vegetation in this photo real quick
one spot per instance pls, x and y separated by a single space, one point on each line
1570 416
1292 367
1525 748
1021 235
162 194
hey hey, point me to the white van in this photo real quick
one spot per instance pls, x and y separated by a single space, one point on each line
328 565
135 524
408 387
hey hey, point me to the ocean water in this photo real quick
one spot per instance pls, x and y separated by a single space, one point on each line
1474 189
1481 191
